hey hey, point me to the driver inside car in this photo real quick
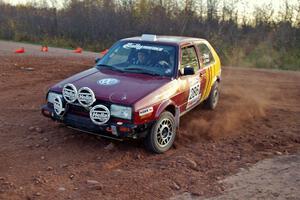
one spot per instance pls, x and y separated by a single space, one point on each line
164 62
142 58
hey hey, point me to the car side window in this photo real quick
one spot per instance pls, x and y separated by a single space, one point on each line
206 58
189 58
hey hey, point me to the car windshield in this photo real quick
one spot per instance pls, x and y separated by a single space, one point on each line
140 57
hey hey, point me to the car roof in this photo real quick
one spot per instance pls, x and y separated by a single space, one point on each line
178 40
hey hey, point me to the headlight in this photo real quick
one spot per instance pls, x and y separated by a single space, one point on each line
120 111
51 96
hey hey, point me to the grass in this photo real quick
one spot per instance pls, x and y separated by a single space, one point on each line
262 55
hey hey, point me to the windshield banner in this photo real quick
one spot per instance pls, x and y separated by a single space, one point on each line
139 46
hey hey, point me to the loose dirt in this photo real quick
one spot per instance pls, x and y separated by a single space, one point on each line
7 48
258 117
275 178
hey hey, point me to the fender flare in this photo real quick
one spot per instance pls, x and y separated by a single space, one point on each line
218 78
215 79
164 105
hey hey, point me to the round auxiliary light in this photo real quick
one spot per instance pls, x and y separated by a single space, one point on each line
58 105
69 93
99 114
86 97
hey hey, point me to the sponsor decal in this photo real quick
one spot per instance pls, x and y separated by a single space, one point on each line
138 46
194 95
145 111
86 96
58 105
99 114
108 81
69 93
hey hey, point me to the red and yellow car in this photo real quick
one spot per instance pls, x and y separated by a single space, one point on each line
139 89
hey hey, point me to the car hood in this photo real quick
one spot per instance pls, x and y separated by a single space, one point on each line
126 88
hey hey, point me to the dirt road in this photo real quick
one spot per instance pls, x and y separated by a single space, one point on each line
258 117
8 47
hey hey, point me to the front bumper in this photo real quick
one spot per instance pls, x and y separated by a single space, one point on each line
113 128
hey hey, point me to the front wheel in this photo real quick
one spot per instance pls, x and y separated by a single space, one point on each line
162 134
213 99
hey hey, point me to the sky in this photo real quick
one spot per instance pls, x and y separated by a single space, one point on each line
276 4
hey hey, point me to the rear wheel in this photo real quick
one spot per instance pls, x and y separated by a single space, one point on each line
162 134
213 99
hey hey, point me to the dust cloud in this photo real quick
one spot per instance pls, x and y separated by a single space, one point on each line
238 105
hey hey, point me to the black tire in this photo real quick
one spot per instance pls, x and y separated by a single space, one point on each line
213 98
162 134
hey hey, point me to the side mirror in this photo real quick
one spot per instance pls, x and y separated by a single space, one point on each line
188 70
97 60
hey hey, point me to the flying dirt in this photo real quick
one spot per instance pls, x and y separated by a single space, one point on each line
258 117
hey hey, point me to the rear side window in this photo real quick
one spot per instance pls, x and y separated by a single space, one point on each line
206 58
189 58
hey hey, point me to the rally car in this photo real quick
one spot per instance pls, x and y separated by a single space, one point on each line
139 89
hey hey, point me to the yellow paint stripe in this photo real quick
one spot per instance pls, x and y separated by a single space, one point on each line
209 85
207 82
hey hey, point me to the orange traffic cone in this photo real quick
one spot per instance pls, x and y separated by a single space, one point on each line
78 50
44 49
104 52
21 50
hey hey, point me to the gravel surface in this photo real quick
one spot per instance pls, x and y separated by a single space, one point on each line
276 178
9 47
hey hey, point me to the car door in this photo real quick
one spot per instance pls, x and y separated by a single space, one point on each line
206 60
191 84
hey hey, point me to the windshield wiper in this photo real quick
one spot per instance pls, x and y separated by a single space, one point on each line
141 71
110 67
